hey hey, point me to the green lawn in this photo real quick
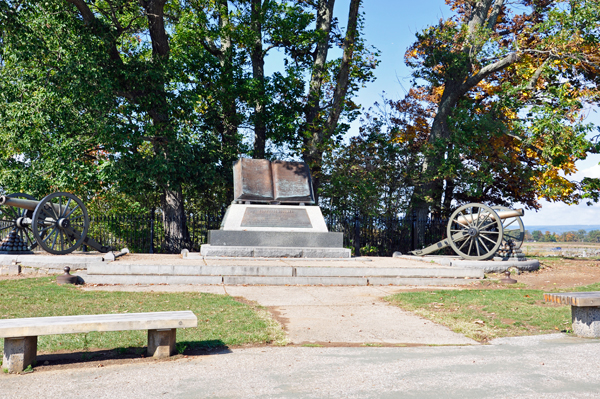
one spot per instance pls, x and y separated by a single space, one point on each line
222 321
487 314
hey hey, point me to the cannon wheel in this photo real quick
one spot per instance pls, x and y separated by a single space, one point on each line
481 233
11 218
516 232
60 223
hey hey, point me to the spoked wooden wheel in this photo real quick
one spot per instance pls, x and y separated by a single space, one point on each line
513 228
60 223
19 220
475 231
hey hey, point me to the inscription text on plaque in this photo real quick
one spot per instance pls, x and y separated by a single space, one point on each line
270 217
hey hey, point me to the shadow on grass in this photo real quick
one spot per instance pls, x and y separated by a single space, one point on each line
124 355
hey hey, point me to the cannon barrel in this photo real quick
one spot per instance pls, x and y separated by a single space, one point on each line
18 202
464 220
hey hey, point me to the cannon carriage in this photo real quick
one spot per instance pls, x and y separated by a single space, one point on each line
479 232
58 224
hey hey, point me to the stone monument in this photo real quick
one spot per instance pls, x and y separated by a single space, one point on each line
273 214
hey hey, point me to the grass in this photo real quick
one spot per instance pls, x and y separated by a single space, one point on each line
487 314
222 321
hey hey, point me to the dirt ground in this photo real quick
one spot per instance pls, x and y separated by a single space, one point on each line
559 273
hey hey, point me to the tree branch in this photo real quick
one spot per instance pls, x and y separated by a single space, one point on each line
488 70
491 22
341 88
87 14
478 15
538 72
90 19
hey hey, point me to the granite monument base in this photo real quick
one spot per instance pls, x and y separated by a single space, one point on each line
275 239
209 250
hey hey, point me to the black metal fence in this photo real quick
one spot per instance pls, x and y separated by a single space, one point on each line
374 236
382 236
145 233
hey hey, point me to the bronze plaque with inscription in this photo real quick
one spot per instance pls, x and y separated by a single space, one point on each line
273 217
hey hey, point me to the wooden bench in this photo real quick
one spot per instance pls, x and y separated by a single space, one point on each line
585 311
20 335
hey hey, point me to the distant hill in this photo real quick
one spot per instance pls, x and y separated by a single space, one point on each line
563 229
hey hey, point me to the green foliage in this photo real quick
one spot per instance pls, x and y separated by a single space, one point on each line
77 120
371 175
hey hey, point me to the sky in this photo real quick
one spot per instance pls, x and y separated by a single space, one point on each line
390 26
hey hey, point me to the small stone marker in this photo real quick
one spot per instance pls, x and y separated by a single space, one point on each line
66 278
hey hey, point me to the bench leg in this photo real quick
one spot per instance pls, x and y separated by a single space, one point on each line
19 353
586 321
161 343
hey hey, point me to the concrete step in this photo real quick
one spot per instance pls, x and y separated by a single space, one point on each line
270 280
53 261
115 268
209 250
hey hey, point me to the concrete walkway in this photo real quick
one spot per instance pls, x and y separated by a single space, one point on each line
353 315
532 367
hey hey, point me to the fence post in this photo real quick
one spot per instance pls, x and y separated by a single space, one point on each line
415 236
356 235
151 231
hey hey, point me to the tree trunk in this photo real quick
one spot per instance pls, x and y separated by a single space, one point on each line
258 73
319 129
313 153
174 221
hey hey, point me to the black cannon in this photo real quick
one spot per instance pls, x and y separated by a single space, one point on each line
59 223
479 232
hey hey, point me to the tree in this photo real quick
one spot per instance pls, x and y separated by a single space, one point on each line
549 237
371 176
322 112
504 119
93 101
593 236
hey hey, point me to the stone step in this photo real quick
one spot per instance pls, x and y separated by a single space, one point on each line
270 280
115 268
53 261
209 250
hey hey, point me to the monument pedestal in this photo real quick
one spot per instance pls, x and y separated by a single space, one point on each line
274 231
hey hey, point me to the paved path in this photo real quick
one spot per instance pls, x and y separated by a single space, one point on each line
332 314
532 367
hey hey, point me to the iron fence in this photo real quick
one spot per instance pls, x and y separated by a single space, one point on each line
382 236
374 236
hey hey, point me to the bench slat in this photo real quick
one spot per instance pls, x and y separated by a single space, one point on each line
35 326
575 298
